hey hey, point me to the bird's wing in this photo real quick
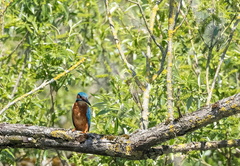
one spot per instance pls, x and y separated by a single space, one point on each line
89 117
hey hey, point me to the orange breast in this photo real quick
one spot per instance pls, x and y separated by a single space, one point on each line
79 116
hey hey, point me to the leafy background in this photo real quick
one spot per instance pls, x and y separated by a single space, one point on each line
42 38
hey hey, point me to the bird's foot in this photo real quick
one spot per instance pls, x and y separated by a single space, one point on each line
74 129
83 132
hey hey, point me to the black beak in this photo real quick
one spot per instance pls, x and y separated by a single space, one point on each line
86 100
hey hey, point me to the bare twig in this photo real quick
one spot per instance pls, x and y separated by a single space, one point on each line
161 67
52 109
64 162
177 14
18 45
40 157
118 44
221 61
196 68
45 83
19 76
207 69
209 57
184 15
145 21
5 9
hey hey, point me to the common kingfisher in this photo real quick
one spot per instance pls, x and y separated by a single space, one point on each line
81 113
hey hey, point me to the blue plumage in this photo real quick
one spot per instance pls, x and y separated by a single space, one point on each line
89 116
83 95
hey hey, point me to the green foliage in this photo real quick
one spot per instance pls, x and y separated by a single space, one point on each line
40 39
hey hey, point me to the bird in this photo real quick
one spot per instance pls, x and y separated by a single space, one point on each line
81 113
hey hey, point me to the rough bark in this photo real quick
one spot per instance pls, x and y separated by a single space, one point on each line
190 122
138 145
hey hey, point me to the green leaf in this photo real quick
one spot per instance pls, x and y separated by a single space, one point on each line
104 111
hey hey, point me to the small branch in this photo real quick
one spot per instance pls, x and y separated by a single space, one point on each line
118 45
149 41
207 68
62 161
197 70
171 25
19 77
164 55
18 45
161 67
45 83
117 41
209 57
145 21
195 66
203 39
145 105
146 93
184 16
177 14
4 10
220 62
52 113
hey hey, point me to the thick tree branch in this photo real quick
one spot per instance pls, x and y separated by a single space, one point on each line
190 122
25 136
135 146
166 149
